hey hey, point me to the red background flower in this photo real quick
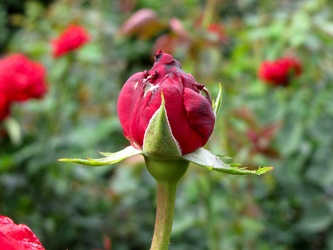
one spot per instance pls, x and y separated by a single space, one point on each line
280 71
71 39
20 79
17 237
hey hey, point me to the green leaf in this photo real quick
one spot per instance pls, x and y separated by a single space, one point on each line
14 130
91 53
158 140
223 157
217 103
206 159
325 26
235 164
110 158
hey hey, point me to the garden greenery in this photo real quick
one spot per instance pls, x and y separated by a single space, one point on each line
289 127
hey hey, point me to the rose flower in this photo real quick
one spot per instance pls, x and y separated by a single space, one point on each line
17 237
280 71
189 113
21 79
71 39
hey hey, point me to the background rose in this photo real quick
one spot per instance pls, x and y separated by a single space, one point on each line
190 114
280 71
17 237
21 78
71 39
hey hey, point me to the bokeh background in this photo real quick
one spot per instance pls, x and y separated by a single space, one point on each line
289 127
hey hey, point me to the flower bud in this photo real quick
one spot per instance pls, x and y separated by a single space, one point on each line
189 113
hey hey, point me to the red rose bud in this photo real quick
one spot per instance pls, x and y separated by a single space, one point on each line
71 39
280 71
190 114
21 79
17 237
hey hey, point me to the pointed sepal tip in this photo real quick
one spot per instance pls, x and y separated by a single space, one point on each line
159 141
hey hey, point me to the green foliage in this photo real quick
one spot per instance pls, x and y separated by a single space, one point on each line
74 207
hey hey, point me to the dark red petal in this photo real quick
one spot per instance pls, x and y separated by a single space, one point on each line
199 113
129 102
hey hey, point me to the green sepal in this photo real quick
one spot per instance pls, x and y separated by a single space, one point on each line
218 102
208 160
159 141
110 158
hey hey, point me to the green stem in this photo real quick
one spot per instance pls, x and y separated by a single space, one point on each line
167 174
166 195
208 13
211 218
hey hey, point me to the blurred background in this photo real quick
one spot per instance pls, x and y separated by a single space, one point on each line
286 124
